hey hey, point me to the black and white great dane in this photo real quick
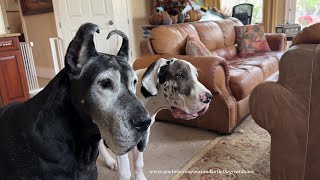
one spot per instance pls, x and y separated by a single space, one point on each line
55 135
165 84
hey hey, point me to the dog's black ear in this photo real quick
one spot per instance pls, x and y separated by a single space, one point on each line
124 50
150 78
81 48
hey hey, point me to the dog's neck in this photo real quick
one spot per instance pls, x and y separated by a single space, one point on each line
153 103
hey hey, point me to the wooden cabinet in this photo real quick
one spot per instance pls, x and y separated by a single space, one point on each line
13 83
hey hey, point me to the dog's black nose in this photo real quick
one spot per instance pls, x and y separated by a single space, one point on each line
142 125
208 97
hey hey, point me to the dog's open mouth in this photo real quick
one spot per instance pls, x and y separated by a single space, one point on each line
178 113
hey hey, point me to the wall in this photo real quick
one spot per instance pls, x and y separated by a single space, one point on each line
40 28
14 21
141 11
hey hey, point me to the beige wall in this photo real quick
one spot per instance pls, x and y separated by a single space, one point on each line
14 21
40 28
141 10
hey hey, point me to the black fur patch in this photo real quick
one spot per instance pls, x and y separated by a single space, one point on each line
149 70
162 73
105 144
145 92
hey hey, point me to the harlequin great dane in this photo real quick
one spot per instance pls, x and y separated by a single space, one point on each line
55 135
165 84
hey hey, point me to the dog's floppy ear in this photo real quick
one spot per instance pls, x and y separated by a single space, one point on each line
81 48
124 50
150 78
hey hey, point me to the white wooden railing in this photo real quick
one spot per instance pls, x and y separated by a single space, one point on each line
28 61
57 54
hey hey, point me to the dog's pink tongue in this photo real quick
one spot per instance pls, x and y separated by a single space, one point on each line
177 113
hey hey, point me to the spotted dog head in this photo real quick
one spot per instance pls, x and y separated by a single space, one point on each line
102 89
177 79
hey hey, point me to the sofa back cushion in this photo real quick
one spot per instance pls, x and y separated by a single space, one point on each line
172 39
215 35
210 34
195 47
228 32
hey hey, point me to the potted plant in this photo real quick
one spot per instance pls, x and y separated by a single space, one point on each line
174 9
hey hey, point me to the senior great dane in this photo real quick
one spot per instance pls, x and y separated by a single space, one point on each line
55 135
165 84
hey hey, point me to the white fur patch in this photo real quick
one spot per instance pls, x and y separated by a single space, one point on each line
151 80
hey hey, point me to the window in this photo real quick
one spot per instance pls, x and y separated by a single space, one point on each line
257 15
304 12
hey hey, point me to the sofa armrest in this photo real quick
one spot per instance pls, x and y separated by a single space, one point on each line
283 106
146 47
273 106
277 41
213 71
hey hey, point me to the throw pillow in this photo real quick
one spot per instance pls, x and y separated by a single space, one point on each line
250 39
195 47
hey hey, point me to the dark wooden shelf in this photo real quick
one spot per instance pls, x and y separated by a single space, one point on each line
13 81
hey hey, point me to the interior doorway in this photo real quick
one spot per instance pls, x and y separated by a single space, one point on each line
61 24
107 14
11 16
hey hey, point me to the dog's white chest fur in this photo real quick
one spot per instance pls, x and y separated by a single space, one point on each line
153 104
157 89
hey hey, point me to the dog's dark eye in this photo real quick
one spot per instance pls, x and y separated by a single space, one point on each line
135 82
105 83
179 76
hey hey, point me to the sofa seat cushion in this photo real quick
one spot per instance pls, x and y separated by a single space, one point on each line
246 73
226 53
268 64
276 54
243 78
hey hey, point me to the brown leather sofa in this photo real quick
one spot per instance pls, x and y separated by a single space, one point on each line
290 111
229 77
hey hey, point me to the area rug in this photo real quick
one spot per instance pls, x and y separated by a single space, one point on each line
171 147
243 155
